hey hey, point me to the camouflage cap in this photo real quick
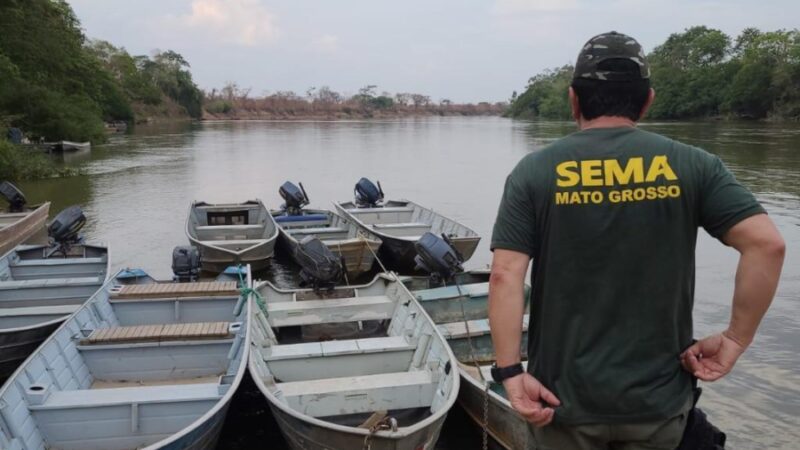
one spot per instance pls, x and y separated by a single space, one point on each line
609 46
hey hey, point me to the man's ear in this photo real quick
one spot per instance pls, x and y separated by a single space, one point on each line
574 105
651 95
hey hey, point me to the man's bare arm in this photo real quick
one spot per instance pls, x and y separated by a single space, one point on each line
761 249
527 395
507 304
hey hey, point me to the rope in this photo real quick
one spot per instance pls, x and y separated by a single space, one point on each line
384 424
245 291
373 253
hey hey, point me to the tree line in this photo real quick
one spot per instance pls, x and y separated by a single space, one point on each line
233 101
701 72
57 84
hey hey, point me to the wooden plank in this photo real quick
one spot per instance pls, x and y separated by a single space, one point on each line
173 290
168 332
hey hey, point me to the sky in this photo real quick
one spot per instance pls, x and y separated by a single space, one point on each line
461 50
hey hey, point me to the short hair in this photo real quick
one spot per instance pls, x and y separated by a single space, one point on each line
613 98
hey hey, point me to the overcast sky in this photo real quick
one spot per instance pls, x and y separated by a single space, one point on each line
463 50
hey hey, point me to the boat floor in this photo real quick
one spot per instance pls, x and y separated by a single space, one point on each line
332 331
102 384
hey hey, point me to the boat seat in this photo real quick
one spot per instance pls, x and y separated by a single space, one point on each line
60 310
337 348
335 242
173 290
57 261
159 333
480 327
229 242
229 228
49 282
334 310
359 394
171 393
402 225
390 209
317 230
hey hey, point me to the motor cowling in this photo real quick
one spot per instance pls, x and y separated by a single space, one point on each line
438 256
320 266
295 197
186 263
66 226
367 195
15 198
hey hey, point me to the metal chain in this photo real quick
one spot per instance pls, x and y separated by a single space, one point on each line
485 424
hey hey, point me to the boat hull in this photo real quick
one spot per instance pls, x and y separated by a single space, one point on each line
203 437
398 254
507 428
216 260
27 228
17 345
359 254
301 435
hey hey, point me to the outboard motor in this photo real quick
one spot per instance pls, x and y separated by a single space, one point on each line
295 198
185 263
438 256
367 194
321 267
15 198
66 226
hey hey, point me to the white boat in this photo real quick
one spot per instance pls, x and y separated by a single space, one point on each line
23 225
460 312
357 247
353 367
141 365
39 288
232 233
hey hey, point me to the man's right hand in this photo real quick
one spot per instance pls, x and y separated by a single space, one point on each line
528 396
712 358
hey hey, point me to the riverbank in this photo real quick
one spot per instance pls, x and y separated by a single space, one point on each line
19 163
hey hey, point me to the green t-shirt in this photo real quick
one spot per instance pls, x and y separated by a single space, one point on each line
610 218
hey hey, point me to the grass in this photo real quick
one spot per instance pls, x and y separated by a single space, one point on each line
18 163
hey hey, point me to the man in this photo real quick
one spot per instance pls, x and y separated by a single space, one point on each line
609 215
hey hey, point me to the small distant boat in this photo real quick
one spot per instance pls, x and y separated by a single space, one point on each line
386 381
69 146
141 365
399 224
40 286
19 223
460 312
355 246
232 233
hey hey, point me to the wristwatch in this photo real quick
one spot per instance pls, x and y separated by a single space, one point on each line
499 374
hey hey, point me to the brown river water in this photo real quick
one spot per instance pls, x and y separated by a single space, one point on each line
137 190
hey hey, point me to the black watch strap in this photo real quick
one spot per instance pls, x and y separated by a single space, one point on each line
503 373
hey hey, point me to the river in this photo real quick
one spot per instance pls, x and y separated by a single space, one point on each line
137 190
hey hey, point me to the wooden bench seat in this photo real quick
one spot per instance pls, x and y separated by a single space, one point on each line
159 333
337 348
359 394
171 393
335 310
173 290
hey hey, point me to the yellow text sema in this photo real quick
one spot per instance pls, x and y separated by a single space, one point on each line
596 173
